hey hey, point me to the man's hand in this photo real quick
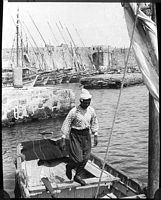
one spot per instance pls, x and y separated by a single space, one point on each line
95 140
62 144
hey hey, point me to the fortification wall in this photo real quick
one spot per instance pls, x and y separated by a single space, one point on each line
62 57
119 56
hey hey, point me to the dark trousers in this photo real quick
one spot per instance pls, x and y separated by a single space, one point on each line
79 149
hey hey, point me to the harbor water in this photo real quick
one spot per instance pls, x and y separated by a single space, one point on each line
128 150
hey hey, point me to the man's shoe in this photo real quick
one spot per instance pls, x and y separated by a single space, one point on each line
53 195
78 179
40 162
68 172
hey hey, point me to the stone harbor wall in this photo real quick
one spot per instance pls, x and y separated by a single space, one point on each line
111 81
29 104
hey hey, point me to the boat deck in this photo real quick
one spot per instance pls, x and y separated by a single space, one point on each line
60 182
31 167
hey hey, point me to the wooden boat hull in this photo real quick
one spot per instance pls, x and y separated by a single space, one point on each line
114 184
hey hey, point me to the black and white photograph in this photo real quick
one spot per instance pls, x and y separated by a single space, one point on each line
80 100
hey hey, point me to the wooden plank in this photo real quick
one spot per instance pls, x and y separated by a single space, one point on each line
80 193
120 187
32 171
88 193
95 170
94 185
90 190
73 184
140 196
109 196
67 193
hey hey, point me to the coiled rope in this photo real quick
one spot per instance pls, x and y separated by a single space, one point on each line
105 158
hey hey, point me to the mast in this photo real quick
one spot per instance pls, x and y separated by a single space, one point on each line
44 43
74 51
21 49
154 140
17 75
17 48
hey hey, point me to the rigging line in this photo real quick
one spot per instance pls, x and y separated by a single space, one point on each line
65 41
61 33
36 56
75 54
70 37
62 49
34 150
21 36
46 140
11 55
32 48
71 40
83 44
43 41
37 29
13 40
70 51
41 150
79 36
63 29
117 103
53 34
46 65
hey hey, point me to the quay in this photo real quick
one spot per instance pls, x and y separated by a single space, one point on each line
34 103
111 81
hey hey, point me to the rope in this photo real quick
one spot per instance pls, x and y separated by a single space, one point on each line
11 56
117 105
41 150
34 149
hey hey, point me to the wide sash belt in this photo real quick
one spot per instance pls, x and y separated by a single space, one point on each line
80 132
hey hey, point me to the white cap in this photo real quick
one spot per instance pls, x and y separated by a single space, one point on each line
85 94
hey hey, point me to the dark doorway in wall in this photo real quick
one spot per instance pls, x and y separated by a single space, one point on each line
97 59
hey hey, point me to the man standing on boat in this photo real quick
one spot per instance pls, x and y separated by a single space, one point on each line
80 122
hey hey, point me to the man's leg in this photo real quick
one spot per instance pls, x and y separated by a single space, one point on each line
71 165
86 150
80 168
75 154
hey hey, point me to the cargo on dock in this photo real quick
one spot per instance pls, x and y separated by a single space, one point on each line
111 81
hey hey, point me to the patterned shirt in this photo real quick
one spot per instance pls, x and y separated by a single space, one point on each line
79 119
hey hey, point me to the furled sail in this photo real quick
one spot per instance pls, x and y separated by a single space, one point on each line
145 46
26 57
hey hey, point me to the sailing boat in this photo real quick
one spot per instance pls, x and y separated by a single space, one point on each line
22 71
99 175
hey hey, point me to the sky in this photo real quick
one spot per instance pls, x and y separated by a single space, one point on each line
95 23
